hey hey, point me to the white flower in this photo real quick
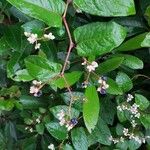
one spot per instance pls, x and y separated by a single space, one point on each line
129 97
99 89
37 46
32 38
125 131
119 108
69 126
27 34
49 36
31 130
90 68
105 85
94 64
121 139
35 82
51 147
131 136
62 122
84 63
61 115
100 81
34 89
26 128
137 115
38 120
134 109
133 123
137 139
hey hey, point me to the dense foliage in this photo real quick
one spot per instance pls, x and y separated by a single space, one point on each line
74 74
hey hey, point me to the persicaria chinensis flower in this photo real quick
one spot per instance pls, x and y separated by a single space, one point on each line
35 88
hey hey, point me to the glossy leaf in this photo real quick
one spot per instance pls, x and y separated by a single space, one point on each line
107 8
124 81
132 62
57 131
142 101
48 9
79 139
71 79
41 68
98 38
145 120
109 65
90 114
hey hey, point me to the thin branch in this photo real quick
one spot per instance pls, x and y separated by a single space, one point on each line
141 75
71 44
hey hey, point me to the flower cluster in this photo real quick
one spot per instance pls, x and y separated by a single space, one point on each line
129 97
90 67
103 85
29 128
129 136
35 88
33 38
51 147
64 121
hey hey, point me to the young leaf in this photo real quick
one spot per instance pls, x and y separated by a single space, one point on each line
45 11
71 79
98 38
109 65
142 101
124 81
91 108
79 139
67 147
107 8
41 68
57 131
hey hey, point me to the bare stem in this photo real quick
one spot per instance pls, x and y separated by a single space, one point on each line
71 44
140 75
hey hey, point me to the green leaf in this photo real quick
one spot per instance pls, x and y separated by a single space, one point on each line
57 131
124 81
145 120
132 62
41 68
101 133
109 65
29 102
22 75
113 89
13 37
40 128
71 79
107 8
6 105
142 101
147 14
78 99
146 41
34 26
45 11
133 43
57 109
67 147
91 108
4 47
98 38
79 139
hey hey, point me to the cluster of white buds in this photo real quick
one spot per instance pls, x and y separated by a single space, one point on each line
103 85
90 67
116 140
29 128
49 36
129 97
63 120
51 147
38 120
33 38
35 88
